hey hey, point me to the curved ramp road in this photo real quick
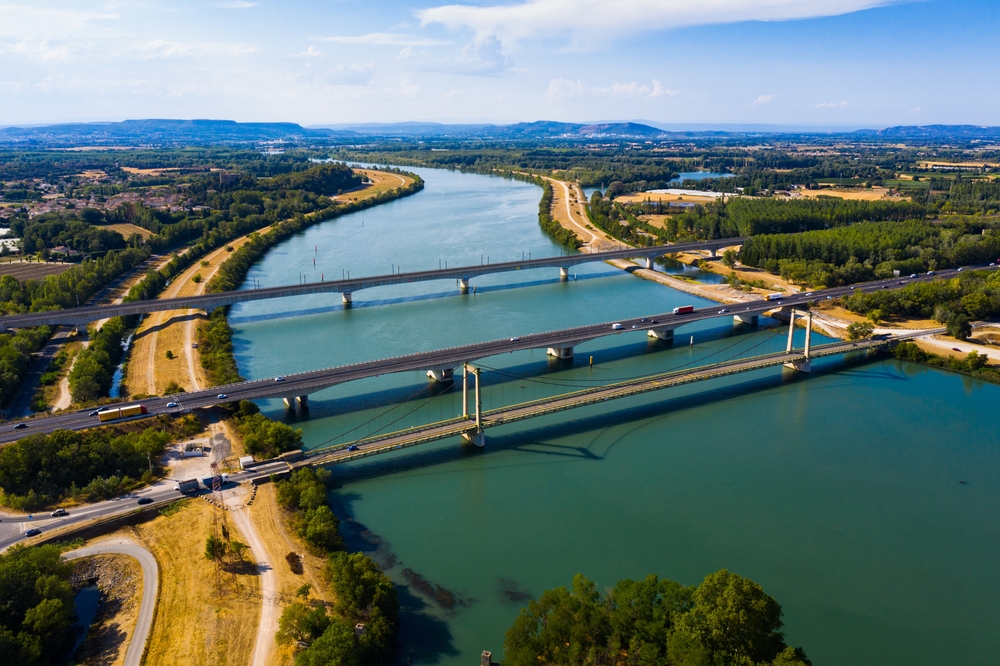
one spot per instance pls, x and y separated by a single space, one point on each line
150 583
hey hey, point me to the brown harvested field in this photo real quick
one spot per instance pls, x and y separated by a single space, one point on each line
195 622
873 194
119 577
127 230
33 271
658 221
569 209
972 165
149 369
381 182
149 172
639 197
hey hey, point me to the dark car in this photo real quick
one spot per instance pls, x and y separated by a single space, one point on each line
20 426
353 447
145 500
34 531
59 513
93 413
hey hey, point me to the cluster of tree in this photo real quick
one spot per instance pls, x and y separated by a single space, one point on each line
305 495
261 436
614 219
973 295
44 232
966 196
365 596
94 369
36 606
70 288
328 179
728 620
873 249
15 354
550 226
96 464
781 216
215 347
973 364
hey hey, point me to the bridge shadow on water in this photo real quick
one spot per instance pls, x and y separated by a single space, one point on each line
542 441
247 319
493 376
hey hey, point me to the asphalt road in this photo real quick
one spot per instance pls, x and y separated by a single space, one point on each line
316 380
150 583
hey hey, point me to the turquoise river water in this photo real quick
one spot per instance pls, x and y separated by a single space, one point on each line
864 497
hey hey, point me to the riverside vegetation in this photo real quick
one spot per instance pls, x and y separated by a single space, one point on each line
727 620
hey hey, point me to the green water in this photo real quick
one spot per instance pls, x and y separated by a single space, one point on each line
840 493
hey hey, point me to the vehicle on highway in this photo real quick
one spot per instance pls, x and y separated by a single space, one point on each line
20 426
186 486
635 325
993 263
58 513
116 413
956 349
221 396
94 413
515 339
279 378
723 311
809 293
353 447
774 297
616 327
34 531
644 320
145 500
684 309
932 272
171 404
913 275
961 268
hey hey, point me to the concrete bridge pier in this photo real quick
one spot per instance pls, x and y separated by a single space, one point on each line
563 273
463 285
560 352
751 319
301 400
346 299
443 375
649 263
666 334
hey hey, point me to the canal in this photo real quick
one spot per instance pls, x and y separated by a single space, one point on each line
863 498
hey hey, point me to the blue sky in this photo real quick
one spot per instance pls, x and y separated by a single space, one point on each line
814 62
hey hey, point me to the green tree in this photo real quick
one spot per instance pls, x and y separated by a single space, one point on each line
336 647
958 326
729 258
860 330
978 305
214 547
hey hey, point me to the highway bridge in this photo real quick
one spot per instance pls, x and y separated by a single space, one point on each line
84 315
441 363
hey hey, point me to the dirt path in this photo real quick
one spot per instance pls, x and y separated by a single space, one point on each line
381 181
572 215
270 609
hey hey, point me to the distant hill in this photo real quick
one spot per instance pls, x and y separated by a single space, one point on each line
542 129
159 132
936 132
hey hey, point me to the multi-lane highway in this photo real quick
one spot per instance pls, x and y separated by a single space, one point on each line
302 384
79 316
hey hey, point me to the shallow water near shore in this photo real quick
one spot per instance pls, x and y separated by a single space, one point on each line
864 497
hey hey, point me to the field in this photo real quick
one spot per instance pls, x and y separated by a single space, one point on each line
658 221
873 194
381 182
195 622
127 230
23 270
639 197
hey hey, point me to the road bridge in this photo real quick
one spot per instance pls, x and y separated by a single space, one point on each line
472 427
440 364
463 274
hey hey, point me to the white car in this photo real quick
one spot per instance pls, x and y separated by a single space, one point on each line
221 396
171 404
616 327
279 379
961 269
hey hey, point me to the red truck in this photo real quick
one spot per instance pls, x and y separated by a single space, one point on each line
684 309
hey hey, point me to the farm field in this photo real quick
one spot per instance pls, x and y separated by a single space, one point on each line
127 230
33 271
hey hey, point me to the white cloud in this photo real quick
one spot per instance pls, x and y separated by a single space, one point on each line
560 89
309 53
21 21
583 19
384 39
764 99
833 105
235 4
484 56
359 73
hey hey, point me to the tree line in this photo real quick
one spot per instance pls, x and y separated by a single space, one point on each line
727 620
364 594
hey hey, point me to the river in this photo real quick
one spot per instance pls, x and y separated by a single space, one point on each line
864 498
